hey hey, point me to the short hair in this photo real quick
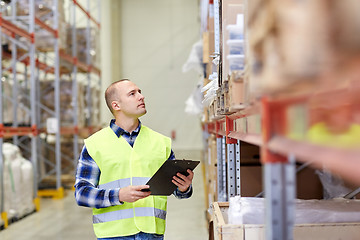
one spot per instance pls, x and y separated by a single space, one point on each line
110 93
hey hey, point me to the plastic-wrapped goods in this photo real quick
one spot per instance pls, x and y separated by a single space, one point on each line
66 105
18 182
334 187
23 117
27 187
210 89
235 48
12 176
247 210
81 45
44 40
8 153
96 102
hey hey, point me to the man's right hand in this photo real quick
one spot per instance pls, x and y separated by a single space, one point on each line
133 193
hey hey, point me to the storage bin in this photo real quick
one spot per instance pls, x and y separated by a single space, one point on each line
235 31
236 62
236 46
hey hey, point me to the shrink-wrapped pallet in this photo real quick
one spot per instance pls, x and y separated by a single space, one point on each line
66 104
18 182
27 187
81 45
9 154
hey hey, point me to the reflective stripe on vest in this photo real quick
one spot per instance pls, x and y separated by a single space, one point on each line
129 213
121 183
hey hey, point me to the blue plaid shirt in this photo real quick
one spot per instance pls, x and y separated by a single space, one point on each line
88 173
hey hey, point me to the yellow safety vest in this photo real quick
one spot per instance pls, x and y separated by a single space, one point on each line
122 165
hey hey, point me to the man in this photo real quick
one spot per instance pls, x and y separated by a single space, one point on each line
114 165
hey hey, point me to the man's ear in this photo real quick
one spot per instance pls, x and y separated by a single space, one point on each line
115 105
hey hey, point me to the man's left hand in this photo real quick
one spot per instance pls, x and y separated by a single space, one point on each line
183 182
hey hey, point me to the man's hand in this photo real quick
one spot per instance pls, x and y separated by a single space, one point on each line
183 182
133 193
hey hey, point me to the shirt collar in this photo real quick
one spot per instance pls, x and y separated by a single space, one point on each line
119 131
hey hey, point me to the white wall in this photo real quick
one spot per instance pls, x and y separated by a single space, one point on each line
153 39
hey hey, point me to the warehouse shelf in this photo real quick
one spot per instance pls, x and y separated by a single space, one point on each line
49 62
13 33
274 85
320 156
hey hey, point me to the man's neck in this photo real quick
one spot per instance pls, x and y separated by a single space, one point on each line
128 125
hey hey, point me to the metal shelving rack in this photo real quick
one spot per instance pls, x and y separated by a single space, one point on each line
12 31
278 152
79 68
278 156
35 61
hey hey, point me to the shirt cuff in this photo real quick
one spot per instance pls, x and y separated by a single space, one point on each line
188 191
114 197
186 194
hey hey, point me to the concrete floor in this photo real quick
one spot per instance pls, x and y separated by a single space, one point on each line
64 220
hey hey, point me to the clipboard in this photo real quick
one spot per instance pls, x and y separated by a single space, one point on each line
161 182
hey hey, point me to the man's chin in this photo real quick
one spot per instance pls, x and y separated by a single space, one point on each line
142 113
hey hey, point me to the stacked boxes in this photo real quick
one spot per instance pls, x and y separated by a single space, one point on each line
66 105
289 48
44 40
81 45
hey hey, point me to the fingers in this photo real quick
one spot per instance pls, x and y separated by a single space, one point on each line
188 178
133 193
140 187
183 182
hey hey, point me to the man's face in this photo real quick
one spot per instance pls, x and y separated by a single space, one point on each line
130 99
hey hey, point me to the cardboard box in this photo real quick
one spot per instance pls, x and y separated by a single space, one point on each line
249 153
208 46
241 125
254 124
251 180
236 92
308 184
305 44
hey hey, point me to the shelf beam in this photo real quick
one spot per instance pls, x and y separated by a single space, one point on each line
344 162
254 139
87 13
